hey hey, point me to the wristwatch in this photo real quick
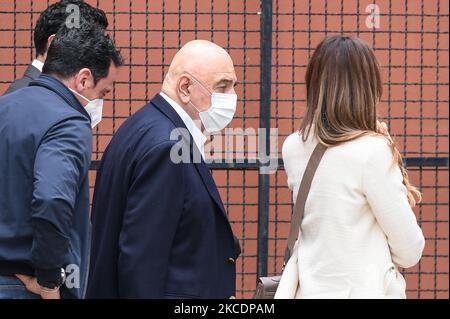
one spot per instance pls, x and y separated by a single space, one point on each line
52 285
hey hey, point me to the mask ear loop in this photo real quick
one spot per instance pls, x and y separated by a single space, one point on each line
195 107
204 87
201 84
82 96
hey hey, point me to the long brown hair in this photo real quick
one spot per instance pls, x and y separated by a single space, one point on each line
344 87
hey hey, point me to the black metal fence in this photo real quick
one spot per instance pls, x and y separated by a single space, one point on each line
270 42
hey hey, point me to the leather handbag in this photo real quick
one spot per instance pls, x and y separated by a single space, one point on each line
267 286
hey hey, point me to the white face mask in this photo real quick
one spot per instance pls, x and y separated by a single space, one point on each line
94 109
221 112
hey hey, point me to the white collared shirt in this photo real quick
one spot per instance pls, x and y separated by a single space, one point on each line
196 133
38 64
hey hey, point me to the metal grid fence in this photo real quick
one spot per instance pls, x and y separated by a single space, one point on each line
270 43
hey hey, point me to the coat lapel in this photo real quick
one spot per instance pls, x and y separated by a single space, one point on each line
210 185
161 104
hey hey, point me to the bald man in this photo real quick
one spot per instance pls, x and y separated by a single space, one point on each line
160 229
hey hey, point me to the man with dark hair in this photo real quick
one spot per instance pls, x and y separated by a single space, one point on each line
45 154
48 25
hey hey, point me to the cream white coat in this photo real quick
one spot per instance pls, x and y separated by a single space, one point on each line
358 227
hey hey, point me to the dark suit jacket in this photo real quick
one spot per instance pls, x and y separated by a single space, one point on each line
31 74
160 229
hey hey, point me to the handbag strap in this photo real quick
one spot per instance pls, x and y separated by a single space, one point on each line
303 191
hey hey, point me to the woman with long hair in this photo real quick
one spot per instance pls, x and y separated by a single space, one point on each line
358 225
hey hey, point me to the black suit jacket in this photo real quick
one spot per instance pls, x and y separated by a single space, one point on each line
31 74
160 229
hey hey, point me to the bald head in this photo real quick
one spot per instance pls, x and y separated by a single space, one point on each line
197 70
200 56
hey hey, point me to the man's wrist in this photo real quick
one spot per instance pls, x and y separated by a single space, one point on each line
49 290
